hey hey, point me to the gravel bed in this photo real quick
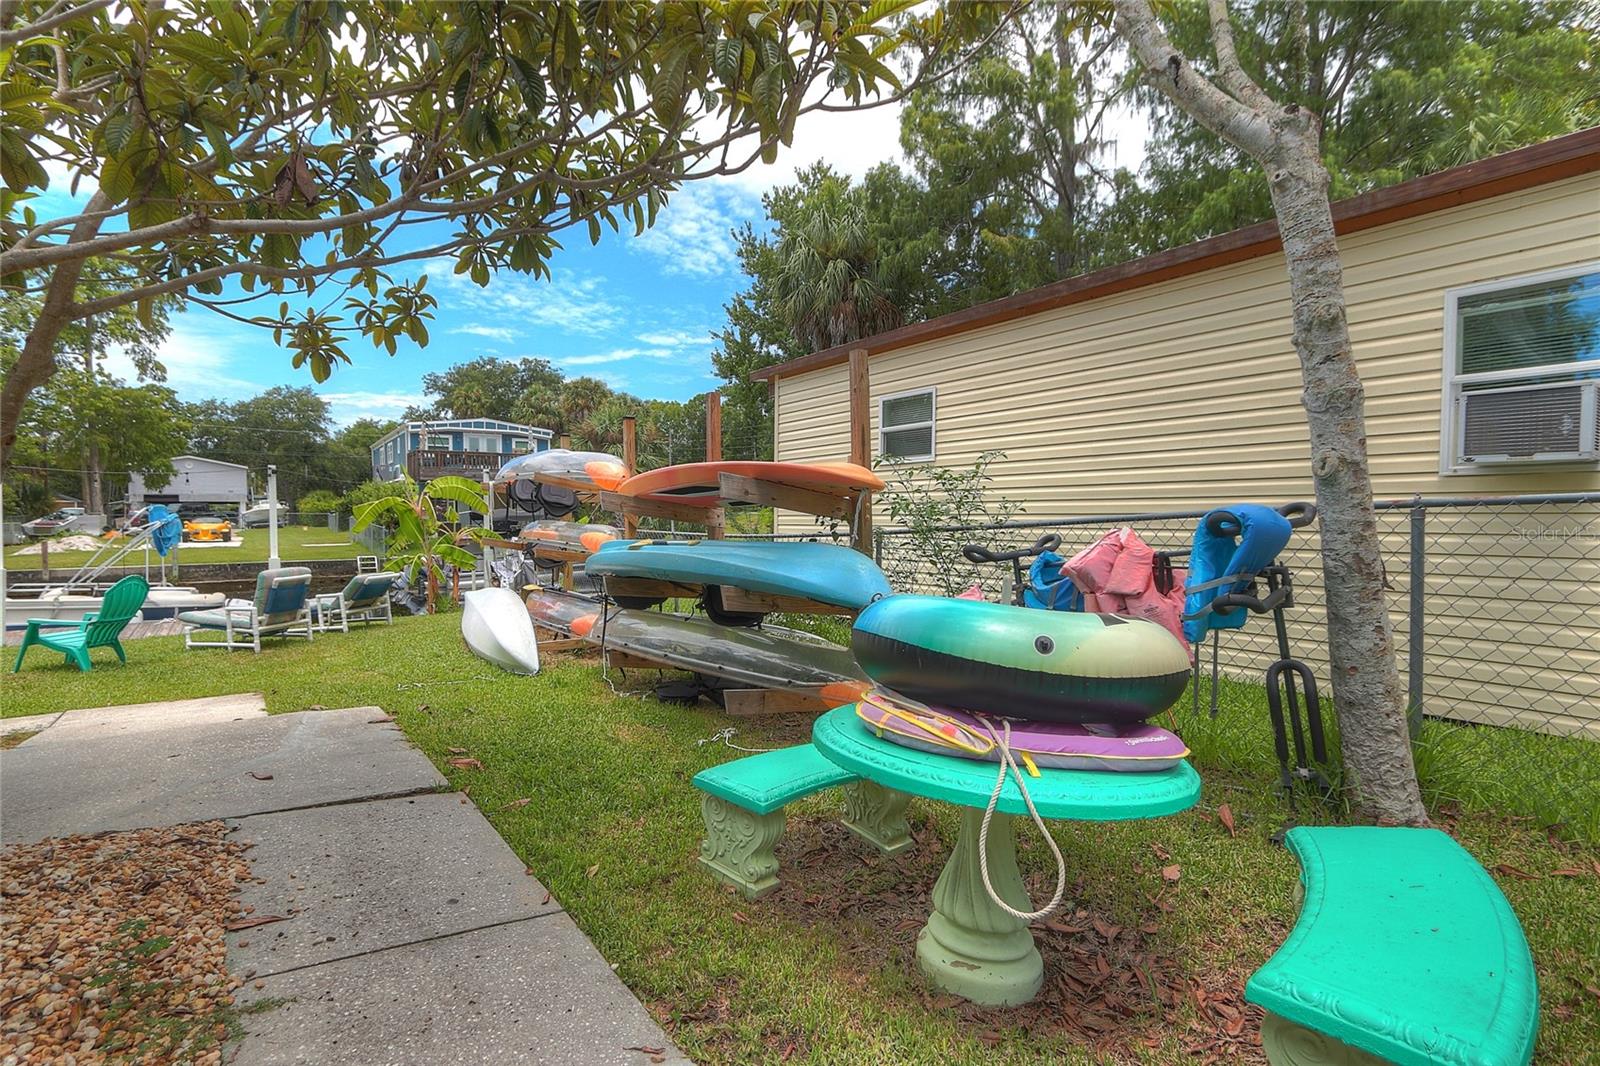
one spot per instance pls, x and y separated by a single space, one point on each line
111 946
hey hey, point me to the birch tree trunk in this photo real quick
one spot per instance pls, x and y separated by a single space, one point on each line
1284 139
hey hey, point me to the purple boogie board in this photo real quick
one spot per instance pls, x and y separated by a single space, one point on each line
1055 745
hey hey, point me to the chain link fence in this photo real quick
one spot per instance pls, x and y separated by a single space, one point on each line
1495 605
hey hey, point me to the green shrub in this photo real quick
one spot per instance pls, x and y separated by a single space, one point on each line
318 501
368 491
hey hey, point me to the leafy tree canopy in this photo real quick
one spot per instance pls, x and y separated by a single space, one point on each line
304 149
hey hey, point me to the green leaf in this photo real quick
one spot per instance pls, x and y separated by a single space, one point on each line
529 83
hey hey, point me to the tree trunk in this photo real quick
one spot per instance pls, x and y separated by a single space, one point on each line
1367 694
94 500
37 360
1284 140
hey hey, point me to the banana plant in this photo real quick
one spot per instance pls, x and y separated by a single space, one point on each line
428 531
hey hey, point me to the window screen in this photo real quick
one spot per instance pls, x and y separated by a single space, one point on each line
1522 373
905 425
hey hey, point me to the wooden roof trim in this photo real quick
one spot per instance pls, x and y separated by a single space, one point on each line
1526 168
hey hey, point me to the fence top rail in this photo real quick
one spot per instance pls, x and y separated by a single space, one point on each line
1406 504
1525 500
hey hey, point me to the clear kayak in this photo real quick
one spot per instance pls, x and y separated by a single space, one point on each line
759 658
581 471
588 537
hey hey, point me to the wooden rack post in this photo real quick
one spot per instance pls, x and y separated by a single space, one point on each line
630 457
861 443
714 521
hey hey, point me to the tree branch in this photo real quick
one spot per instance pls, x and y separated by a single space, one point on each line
49 22
1166 69
1230 71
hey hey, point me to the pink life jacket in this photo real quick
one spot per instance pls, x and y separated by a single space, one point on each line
1117 576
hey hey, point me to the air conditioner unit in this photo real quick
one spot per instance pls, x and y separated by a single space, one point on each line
1527 424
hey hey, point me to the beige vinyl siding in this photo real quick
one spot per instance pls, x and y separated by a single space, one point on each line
1186 393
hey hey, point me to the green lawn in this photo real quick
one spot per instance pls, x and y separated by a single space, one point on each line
295 544
822 971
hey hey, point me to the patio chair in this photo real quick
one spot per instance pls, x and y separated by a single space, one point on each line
364 599
280 609
98 629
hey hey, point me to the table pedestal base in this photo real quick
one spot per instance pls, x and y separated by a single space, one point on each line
970 946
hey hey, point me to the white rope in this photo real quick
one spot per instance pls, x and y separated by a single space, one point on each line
726 736
1003 743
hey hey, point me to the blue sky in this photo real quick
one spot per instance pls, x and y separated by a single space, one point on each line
637 312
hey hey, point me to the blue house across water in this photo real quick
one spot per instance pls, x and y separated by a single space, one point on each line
462 446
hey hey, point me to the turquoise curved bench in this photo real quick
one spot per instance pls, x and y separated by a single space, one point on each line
1405 951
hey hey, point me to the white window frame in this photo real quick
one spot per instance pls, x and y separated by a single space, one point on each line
932 423
1451 382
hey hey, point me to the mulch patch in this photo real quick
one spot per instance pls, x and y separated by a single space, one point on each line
1109 986
113 948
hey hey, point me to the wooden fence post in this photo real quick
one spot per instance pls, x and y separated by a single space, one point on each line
564 442
630 457
861 443
714 526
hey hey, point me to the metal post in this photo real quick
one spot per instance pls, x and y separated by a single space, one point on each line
273 562
488 523
1416 620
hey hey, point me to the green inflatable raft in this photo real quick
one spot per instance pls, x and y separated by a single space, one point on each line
1046 666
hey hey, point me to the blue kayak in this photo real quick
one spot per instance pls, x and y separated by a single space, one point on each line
827 573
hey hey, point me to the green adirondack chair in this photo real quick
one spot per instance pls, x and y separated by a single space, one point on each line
99 629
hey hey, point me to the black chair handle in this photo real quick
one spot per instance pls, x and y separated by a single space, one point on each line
977 553
1225 524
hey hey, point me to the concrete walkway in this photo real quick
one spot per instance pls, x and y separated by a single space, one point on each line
410 932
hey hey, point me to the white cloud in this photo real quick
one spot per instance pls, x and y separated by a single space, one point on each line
851 142
478 329
693 234
347 407
616 355
199 355
569 302
675 338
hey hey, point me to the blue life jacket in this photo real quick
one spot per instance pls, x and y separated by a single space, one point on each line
1048 588
1220 563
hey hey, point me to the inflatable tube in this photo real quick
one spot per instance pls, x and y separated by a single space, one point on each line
1055 745
1047 666
1237 540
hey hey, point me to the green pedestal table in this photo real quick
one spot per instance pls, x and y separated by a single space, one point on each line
970 946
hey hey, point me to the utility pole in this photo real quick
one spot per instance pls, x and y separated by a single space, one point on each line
273 562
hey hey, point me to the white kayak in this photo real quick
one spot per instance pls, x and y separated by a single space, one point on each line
496 626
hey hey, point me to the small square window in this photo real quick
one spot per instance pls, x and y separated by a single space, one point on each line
906 425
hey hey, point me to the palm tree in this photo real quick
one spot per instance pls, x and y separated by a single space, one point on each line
828 287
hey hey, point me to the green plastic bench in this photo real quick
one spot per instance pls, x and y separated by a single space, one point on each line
743 811
1405 952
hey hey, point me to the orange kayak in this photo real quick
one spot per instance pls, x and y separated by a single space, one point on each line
696 484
